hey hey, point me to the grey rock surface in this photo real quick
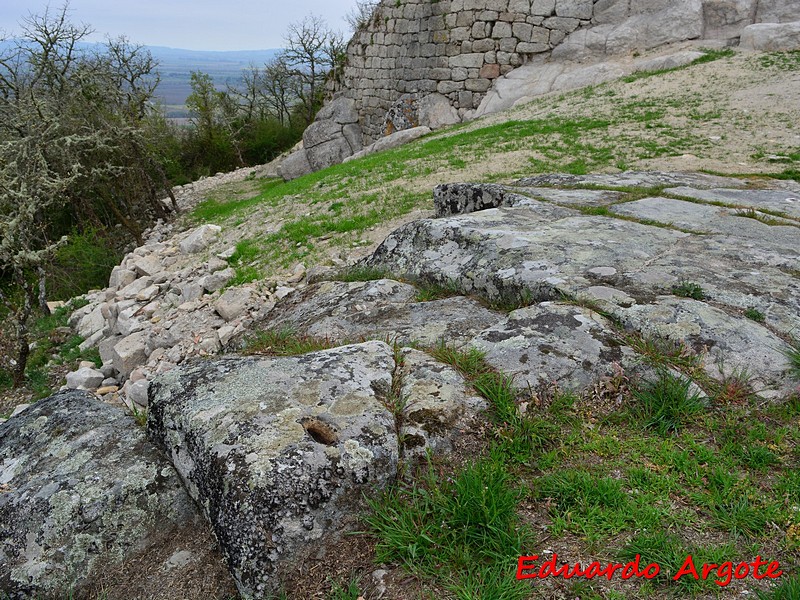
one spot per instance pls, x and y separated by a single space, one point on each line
278 451
295 165
199 239
553 343
84 497
772 37
542 248
437 404
380 309
85 378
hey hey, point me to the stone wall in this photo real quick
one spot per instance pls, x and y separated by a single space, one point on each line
433 62
457 48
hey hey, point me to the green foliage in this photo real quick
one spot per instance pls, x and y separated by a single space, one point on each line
84 263
285 342
666 404
687 289
347 591
788 588
362 273
754 315
793 356
468 522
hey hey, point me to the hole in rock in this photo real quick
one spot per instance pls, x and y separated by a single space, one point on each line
320 432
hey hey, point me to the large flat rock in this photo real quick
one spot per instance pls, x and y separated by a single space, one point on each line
88 505
278 451
380 309
542 239
554 343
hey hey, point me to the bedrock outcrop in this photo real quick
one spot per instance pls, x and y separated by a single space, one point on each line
682 264
279 451
88 505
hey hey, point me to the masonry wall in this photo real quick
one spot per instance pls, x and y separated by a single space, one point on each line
453 47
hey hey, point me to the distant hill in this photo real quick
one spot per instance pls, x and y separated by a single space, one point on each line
176 65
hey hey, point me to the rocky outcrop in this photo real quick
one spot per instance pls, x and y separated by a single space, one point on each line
381 309
772 37
537 245
279 451
87 504
422 63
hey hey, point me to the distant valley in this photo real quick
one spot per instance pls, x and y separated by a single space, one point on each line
176 65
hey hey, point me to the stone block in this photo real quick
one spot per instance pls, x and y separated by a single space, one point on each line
501 30
484 45
478 85
490 72
448 87
469 61
528 48
522 31
576 9
200 239
544 8
129 353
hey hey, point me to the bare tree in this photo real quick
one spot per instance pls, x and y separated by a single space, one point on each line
312 49
72 149
361 14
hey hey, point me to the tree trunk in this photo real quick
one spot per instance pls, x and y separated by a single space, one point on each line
43 293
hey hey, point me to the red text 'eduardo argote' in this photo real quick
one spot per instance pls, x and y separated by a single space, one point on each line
722 573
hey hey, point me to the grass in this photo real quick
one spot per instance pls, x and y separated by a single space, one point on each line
754 315
708 56
468 522
286 342
666 404
688 289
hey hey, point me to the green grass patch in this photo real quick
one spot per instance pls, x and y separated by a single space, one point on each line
286 342
665 405
688 289
468 522
754 315
793 356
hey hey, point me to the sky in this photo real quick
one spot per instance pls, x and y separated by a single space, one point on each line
190 24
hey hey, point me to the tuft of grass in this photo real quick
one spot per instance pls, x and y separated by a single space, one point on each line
669 552
787 589
470 362
688 289
286 342
468 522
348 591
361 273
430 291
754 315
666 404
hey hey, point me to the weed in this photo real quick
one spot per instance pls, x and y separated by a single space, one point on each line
754 315
285 342
140 416
468 522
362 273
350 591
470 362
687 289
666 404
429 291
787 589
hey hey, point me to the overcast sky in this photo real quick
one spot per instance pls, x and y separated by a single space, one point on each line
192 24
